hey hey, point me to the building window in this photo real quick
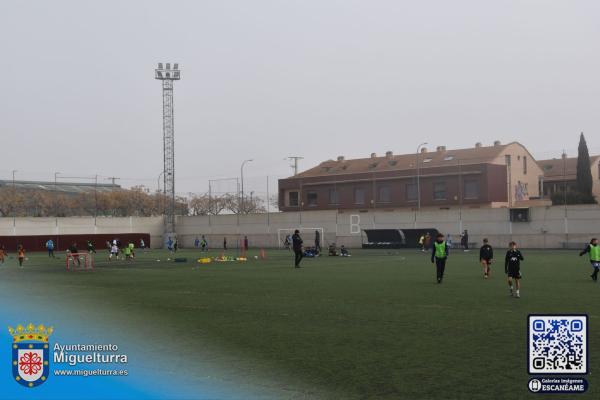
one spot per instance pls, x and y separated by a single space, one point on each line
311 198
471 189
524 165
359 196
385 194
439 191
411 192
333 196
293 199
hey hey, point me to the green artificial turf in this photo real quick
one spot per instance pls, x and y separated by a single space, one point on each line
375 325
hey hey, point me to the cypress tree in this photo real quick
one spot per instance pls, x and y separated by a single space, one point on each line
584 172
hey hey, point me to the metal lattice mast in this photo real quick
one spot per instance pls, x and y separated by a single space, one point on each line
167 76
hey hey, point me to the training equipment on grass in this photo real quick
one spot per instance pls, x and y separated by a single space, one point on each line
229 259
79 262
307 234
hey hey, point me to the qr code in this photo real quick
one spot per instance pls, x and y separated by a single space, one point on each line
557 344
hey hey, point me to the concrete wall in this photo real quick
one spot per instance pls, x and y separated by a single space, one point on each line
548 227
84 225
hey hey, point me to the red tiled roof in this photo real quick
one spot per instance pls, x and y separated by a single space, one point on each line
474 155
558 169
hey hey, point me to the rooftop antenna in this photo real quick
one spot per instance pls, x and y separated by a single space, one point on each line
294 166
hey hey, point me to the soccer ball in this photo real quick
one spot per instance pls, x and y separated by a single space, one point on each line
256 257
157 260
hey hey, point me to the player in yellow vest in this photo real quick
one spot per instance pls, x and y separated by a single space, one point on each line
594 251
439 255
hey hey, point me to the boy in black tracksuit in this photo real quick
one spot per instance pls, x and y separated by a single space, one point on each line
486 257
297 246
512 267
439 255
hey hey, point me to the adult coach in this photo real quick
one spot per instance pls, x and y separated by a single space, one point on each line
297 245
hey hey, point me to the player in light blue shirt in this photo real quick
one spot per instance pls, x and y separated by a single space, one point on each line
50 248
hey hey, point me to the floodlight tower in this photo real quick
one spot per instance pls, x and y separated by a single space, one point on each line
167 76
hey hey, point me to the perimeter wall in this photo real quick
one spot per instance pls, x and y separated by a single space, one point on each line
56 228
548 227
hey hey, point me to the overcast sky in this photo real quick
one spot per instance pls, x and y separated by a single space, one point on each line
271 79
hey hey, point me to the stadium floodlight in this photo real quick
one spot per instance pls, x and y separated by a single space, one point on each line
418 177
167 76
242 188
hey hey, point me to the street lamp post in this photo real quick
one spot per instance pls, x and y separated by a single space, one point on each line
56 197
158 181
95 199
158 192
242 187
14 196
418 177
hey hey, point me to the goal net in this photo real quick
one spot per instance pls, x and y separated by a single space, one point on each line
308 236
79 261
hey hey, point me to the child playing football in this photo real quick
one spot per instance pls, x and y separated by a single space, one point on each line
594 251
21 255
512 267
114 252
486 257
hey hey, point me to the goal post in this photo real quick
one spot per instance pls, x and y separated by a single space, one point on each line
79 261
307 234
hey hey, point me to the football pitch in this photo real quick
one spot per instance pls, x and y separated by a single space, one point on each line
374 325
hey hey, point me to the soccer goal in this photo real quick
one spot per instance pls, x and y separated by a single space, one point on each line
79 261
307 234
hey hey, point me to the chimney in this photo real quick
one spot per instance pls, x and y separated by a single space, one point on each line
373 155
340 158
389 154
423 149
477 145
496 143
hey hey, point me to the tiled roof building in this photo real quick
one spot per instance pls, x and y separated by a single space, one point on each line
481 176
